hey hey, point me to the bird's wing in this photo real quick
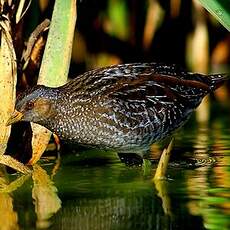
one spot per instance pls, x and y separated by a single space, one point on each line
135 89
100 81
153 103
147 95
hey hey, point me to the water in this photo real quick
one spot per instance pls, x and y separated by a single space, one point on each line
82 192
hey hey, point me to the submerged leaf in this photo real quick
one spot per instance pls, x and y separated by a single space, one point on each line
11 162
8 217
8 188
163 162
45 196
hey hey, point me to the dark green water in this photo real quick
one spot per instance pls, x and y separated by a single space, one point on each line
84 193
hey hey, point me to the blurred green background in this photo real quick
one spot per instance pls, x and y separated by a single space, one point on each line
121 31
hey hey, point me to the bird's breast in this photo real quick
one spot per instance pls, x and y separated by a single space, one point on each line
116 124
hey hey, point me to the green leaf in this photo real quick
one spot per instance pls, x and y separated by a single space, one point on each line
56 59
219 9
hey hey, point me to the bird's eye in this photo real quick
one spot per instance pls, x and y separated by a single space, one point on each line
29 105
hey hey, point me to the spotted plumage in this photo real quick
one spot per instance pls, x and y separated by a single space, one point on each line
124 107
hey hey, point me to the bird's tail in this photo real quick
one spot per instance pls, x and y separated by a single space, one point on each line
216 80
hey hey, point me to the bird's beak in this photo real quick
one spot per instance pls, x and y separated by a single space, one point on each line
15 117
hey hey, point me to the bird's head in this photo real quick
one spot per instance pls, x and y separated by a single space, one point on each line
35 105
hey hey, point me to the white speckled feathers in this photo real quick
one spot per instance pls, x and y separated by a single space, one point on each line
126 107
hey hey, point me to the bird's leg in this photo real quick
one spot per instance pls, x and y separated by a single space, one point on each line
56 165
56 145
57 142
58 159
163 162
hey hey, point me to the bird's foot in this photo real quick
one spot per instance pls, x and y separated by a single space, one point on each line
131 159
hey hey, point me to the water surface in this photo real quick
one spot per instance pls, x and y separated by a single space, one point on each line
90 192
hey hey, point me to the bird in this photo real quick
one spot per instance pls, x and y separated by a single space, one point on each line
124 108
